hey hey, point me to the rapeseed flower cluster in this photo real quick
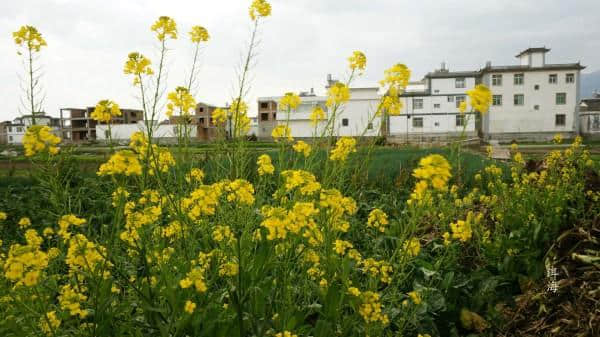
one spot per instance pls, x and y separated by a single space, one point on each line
289 101
358 61
25 263
182 100
199 34
412 247
239 116
137 65
122 162
195 175
317 115
29 36
164 27
219 116
371 309
202 201
84 255
282 132
378 220
105 110
377 269
285 333
49 323
240 191
264 165
302 147
259 8
433 171
38 139
67 221
70 300
480 98
337 94
343 147
304 181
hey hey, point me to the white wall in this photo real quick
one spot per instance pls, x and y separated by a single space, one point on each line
509 118
432 124
124 131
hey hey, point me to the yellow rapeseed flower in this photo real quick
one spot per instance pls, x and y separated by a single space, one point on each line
182 100
105 110
189 306
259 8
164 27
24 222
49 323
199 34
282 132
412 246
289 101
30 37
337 94
358 61
122 162
343 148
480 98
38 139
285 334
317 115
264 165
219 116
302 147
137 65
378 220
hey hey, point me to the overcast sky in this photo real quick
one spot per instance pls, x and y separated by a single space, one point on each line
303 41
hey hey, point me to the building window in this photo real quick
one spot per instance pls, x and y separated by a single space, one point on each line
437 91
570 78
536 87
560 120
264 116
344 121
274 116
106 134
436 124
418 103
436 106
552 78
370 126
10 129
497 79
519 99
459 99
201 121
264 105
133 114
519 79
497 100
460 120
417 122
10 138
561 98
201 109
459 82
536 107
19 129
450 98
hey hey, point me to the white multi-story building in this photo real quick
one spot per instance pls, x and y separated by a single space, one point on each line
532 100
353 118
13 132
590 117
430 107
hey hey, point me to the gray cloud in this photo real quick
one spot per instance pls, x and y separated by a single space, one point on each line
302 42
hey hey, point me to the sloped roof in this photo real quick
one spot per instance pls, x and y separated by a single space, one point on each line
533 50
